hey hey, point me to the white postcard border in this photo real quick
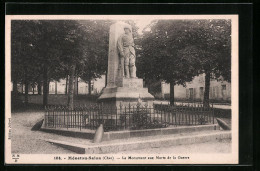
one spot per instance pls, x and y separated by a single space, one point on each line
230 158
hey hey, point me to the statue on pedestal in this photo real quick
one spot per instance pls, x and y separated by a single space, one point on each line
125 45
123 87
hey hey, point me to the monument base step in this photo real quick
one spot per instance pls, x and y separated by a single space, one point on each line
113 135
142 142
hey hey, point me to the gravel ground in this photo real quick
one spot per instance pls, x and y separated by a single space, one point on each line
25 141
222 146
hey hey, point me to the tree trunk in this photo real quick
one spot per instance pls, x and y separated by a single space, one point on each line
206 92
48 86
45 86
39 87
106 79
77 85
26 87
89 86
172 93
71 86
33 88
26 92
66 86
56 87
15 91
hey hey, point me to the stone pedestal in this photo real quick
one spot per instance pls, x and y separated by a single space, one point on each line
131 91
120 90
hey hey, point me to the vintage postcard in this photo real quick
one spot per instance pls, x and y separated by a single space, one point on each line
121 89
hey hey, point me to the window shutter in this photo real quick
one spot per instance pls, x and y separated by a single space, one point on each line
187 93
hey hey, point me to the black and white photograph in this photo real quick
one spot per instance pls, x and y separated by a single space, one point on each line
121 89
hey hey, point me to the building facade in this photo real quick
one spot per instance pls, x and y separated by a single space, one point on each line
59 87
194 90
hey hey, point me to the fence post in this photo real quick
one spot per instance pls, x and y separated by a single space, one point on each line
166 115
213 113
102 114
80 117
180 112
53 115
77 113
161 112
170 115
187 111
146 112
175 115
111 113
73 114
77 117
132 121
67 116
191 115
151 109
207 112
125 117
129 110
45 116
92 116
120 114
85 114
58 116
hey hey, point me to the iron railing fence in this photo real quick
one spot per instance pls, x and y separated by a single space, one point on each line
127 117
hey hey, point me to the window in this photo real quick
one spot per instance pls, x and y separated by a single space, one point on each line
191 93
223 92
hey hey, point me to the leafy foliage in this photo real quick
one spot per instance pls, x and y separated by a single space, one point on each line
94 62
140 119
177 50
54 46
159 56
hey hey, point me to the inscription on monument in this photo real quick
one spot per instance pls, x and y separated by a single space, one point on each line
130 83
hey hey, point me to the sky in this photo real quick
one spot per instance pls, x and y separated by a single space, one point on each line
142 24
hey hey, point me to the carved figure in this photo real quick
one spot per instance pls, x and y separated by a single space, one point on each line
125 45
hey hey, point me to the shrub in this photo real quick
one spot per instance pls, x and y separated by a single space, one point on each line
142 120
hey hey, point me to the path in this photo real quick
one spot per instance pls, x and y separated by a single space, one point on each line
25 141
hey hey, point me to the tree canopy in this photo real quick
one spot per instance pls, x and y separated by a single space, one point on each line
177 50
47 49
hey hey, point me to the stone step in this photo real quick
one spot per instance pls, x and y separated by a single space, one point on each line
142 142
112 135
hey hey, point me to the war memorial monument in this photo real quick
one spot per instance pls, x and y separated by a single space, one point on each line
123 87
